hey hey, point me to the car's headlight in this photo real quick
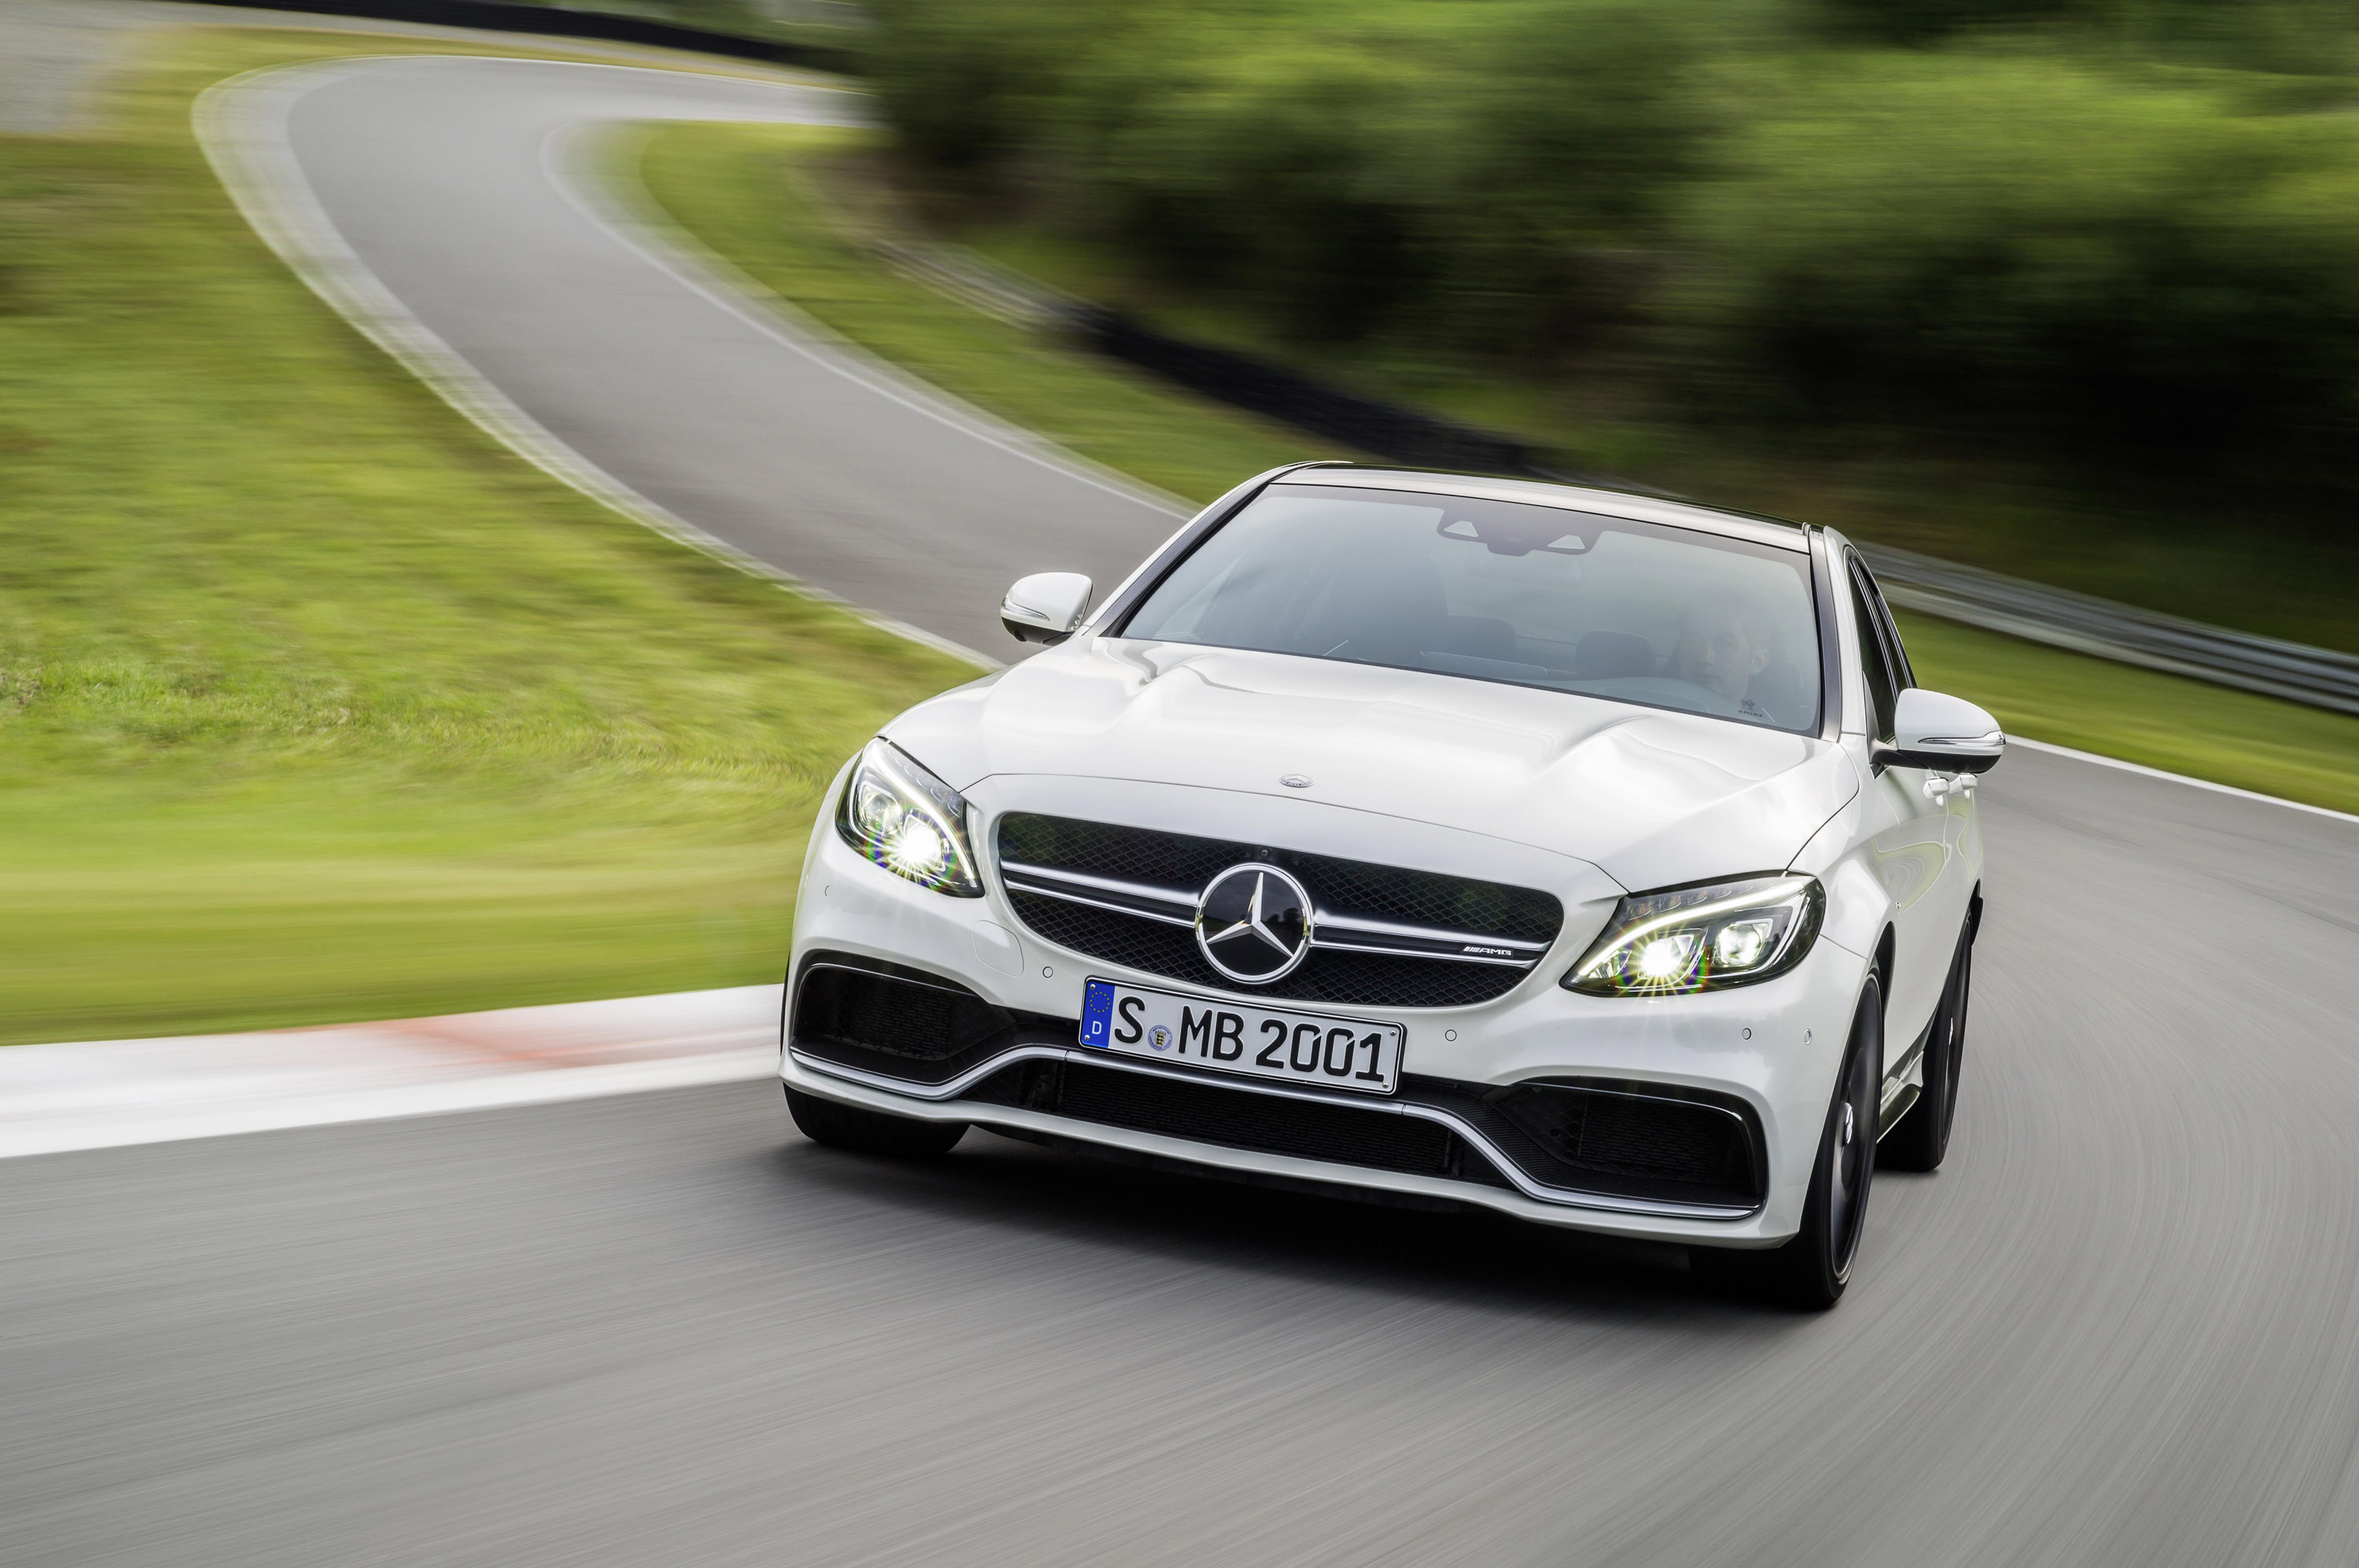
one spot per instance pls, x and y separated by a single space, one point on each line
1699 939
909 821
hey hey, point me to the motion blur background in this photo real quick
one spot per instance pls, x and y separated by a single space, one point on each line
2065 289
317 705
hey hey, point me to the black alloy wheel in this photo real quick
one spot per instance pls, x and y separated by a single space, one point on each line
861 1131
1811 1272
1921 1139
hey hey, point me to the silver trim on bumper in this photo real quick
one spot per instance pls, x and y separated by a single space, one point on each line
1565 1197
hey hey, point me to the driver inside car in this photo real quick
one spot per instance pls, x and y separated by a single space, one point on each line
1720 649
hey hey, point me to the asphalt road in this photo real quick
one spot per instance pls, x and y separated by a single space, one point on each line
449 180
2121 1327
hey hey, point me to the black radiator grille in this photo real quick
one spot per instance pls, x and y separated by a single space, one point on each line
1184 864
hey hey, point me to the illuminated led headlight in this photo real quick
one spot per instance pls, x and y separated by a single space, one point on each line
1699 939
909 821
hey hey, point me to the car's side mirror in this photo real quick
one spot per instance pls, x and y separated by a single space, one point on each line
1947 734
1047 606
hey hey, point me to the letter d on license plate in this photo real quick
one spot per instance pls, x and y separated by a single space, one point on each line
1293 1048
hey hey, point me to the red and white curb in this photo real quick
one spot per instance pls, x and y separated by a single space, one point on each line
106 1094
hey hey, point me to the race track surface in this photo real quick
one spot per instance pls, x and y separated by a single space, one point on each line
2121 1327
466 188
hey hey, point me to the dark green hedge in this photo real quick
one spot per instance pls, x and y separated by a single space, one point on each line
2067 217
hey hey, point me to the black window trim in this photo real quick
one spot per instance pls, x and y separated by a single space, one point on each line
1894 648
1897 669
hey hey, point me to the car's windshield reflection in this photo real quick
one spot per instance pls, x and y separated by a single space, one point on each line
1610 607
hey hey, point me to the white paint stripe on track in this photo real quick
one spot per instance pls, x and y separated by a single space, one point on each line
2192 783
110 1094
648 233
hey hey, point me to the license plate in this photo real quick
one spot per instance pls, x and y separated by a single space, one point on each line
1293 1048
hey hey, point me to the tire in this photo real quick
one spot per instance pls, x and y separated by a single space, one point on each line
1811 1272
1921 1139
870 1132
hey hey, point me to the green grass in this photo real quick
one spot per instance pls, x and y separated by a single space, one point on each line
756 196
315 702
2141 715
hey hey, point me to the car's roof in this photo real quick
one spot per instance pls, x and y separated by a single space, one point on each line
1571 497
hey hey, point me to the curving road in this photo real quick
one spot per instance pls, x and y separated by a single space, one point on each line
461 189
2122 1327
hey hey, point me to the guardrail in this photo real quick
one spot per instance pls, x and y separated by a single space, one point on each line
1382 430
2319 677
1379 429
558 21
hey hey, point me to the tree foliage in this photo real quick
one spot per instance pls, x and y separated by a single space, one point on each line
2067 216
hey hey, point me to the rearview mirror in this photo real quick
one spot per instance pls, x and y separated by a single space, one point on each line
1047 606
1947 734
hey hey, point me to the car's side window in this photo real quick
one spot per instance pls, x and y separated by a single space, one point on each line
1883 690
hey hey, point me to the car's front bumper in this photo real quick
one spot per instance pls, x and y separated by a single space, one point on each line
1774 1047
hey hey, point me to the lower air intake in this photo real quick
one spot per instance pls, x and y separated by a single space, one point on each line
1344 1134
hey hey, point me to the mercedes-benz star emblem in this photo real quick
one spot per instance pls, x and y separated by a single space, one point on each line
1253 924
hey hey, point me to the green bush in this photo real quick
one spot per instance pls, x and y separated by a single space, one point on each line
1382 172
1543 199
1280 179
2040 244
2032 228
967 83
2296 35
1913 21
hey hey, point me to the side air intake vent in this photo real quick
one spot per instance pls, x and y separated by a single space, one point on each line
904 1023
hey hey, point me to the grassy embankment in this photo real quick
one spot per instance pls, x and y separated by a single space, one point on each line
757 196
315 702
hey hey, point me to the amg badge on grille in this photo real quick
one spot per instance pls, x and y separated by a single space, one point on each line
1253 924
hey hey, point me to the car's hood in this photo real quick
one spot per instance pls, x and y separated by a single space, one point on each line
1654 798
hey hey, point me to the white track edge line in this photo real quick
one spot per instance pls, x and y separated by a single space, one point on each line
649 234
2192 783
239 125
549 1086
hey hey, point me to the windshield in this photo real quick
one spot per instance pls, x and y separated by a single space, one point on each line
1497 591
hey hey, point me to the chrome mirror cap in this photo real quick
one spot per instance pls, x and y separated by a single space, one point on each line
1046 607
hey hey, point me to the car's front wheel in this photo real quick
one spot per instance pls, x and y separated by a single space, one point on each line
1810 1270
861 1131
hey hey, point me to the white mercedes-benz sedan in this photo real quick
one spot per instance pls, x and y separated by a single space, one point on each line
1437 839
